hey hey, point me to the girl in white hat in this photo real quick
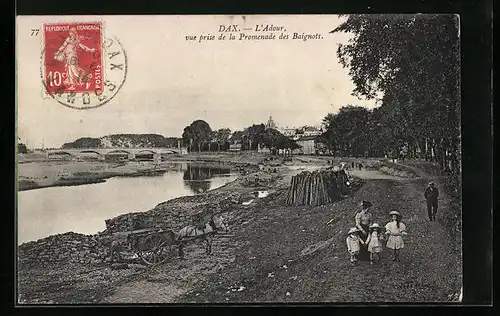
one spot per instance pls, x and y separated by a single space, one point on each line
353 242
374 242
396 230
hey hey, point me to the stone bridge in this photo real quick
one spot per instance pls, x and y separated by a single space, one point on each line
115 154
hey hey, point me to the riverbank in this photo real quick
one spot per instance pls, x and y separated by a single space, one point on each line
266 256
70 268
37 173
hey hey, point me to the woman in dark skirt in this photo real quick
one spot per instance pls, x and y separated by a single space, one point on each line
363 221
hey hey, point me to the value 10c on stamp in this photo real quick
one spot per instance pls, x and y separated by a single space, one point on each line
79 67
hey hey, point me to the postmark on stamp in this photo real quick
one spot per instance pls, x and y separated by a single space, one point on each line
80 68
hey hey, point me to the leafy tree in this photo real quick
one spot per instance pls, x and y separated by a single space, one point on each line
252 136
84 142
413 61
236 136
273 140
286 143
222 136
198 133
346 132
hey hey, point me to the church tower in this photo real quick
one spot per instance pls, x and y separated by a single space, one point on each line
271 124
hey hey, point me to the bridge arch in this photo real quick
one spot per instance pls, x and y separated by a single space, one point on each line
90 152
118 151
118 155
60 155
169 151
146 151
61 152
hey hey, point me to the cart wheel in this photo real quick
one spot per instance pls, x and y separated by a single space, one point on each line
155 252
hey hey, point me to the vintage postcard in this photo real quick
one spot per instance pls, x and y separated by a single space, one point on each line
238 159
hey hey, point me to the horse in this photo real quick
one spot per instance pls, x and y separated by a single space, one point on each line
204 234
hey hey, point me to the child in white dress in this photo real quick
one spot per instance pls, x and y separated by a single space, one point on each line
353 240
396 230
374 242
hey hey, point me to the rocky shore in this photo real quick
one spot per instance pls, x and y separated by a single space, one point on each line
69 256
74 268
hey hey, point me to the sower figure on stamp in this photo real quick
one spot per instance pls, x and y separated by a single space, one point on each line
431 195
68 53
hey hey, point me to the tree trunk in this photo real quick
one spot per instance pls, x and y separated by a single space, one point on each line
218 144
432 150
441 153
426 151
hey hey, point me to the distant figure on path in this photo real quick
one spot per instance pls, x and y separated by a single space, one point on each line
395 229
431 195
353 242
363 221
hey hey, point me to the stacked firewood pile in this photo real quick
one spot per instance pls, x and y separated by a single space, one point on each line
317 188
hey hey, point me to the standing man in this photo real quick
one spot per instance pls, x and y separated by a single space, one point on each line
431 195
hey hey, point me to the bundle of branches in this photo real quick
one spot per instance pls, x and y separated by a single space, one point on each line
317 188
355 183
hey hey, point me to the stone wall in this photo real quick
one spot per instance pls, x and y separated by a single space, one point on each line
93 249
175 214
127 222
68 247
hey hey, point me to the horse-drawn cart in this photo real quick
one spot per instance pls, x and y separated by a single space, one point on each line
156 245
153 246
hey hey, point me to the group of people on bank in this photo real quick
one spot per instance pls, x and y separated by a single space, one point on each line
365 240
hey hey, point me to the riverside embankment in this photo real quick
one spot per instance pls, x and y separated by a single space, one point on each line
264 257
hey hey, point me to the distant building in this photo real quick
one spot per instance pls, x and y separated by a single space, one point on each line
271 124
311 131
235 146
296 133
289 132
262 149
308 145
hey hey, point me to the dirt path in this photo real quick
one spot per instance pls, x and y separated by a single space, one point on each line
262 262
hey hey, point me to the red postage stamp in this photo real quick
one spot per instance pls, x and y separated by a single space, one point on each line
73 58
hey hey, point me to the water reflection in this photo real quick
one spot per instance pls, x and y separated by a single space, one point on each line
198 177
84 208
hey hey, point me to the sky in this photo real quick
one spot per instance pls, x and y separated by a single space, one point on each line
171 82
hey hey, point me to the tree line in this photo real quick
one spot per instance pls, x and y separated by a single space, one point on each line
411 64
124 140
199 136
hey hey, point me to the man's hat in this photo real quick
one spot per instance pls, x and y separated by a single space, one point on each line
394 212
375 225
431 183
365 204
353 230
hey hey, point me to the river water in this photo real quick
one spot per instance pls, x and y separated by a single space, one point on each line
84 208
